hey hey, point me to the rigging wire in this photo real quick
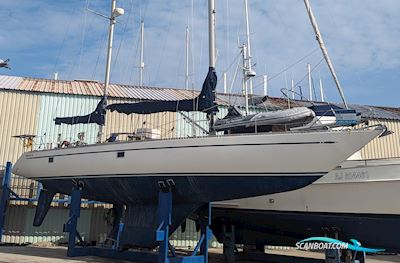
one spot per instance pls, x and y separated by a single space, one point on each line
123 34
232 63
129 73
306 75
72 68
54 113
180 67
227 31
162 50
201 58
233 82
292 65
287 68
313 88
83 36
192 44
100 49
64 40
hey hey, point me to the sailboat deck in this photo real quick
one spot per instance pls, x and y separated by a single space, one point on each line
217 136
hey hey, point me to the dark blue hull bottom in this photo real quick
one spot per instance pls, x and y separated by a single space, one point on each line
140 196
256 227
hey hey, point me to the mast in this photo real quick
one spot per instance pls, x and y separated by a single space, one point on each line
287 88
321 89
211 50
187 58
211 34
286 82
309 81
225 82
292 89
115 12
245 89
141 62
250 72
265 85
324 50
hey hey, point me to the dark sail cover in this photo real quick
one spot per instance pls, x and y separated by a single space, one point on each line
204 102
98 116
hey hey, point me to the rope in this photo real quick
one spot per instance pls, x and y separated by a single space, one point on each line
63 41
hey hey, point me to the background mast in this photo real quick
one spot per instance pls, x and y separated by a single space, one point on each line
141 62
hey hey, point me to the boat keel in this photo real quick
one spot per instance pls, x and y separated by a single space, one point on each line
166 252
44 202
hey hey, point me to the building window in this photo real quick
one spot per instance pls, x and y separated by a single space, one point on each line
51 159
120 154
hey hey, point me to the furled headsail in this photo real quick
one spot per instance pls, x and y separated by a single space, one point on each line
205 102
97 116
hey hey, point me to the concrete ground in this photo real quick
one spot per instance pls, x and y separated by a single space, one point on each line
23 254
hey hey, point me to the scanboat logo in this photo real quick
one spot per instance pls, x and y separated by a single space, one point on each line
319 243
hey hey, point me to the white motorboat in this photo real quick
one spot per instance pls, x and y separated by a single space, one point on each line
357 200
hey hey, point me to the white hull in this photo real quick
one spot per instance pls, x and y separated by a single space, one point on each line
356 187
277 153
202 170
359 201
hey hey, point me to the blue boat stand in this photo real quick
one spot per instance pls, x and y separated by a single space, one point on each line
166 252
6 192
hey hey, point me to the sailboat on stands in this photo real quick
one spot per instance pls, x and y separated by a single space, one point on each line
201 169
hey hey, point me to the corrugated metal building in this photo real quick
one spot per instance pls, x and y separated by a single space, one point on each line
28 106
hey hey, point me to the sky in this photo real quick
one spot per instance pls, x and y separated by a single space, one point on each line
362 37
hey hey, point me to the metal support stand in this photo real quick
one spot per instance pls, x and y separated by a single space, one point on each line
5 196
205 231
335 255
229 243
162 233
72 223
166 253
360 257
332 256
